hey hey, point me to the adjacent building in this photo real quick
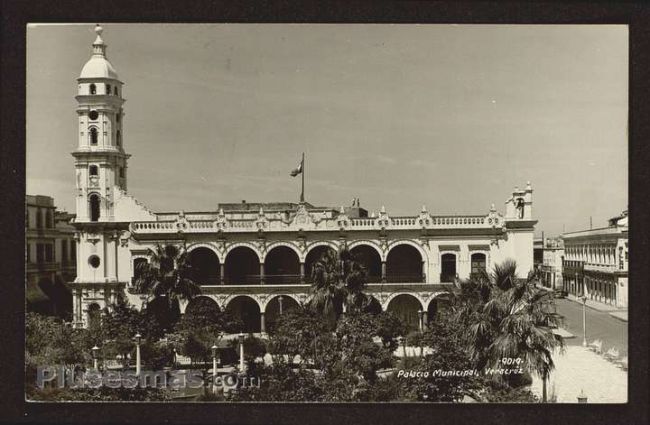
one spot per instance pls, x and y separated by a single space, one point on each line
255 259
596 263
50 256
550 271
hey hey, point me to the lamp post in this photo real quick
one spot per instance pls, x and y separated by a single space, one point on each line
241 352
214 368
582 397
137 338
584 320
95 352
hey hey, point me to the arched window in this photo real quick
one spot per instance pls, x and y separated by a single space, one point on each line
93 89
94 207
478 264
139 265
115 91
117 117
93 170
448 267
121 172
118 137
108 89
93 136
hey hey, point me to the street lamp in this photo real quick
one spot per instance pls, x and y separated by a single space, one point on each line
137 338
584 320
214 368
95 351
241 352
582 397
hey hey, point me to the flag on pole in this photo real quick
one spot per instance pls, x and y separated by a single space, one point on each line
297 171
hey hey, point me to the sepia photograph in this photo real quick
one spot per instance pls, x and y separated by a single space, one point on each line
329 213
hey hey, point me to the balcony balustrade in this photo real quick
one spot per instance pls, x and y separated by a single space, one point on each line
203 225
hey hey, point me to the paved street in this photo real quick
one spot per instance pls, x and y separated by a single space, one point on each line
600 325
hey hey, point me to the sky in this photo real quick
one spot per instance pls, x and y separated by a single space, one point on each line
448 116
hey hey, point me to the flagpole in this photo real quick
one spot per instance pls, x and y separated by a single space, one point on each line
302 191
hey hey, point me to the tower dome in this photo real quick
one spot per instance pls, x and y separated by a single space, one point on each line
98 65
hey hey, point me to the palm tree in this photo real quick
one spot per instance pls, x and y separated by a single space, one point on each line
338 280
167 276
509 317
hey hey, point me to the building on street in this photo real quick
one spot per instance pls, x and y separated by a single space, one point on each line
50 256
596 263
550 271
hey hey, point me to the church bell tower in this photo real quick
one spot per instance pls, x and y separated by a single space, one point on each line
100 160
101 176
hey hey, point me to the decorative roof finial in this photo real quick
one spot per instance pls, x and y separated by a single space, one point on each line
424 209
383 210
99 48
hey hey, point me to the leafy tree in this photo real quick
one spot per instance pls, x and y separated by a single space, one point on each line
449 354
359 352
201 327
167 276
508 317
102 393
299 332
121 323
280 382
338 279
499 392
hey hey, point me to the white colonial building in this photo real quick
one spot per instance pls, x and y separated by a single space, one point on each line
596 263
251 257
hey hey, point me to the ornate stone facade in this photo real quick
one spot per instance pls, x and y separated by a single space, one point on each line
252 254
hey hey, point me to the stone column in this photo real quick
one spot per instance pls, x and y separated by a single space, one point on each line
261 273
79 308
116 239
424 271
302 272
420 324
262 322
383 272
222 273
425 319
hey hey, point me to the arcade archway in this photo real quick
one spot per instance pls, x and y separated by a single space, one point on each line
247 310
281 266
404 264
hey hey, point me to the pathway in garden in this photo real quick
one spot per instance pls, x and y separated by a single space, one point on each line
580 369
